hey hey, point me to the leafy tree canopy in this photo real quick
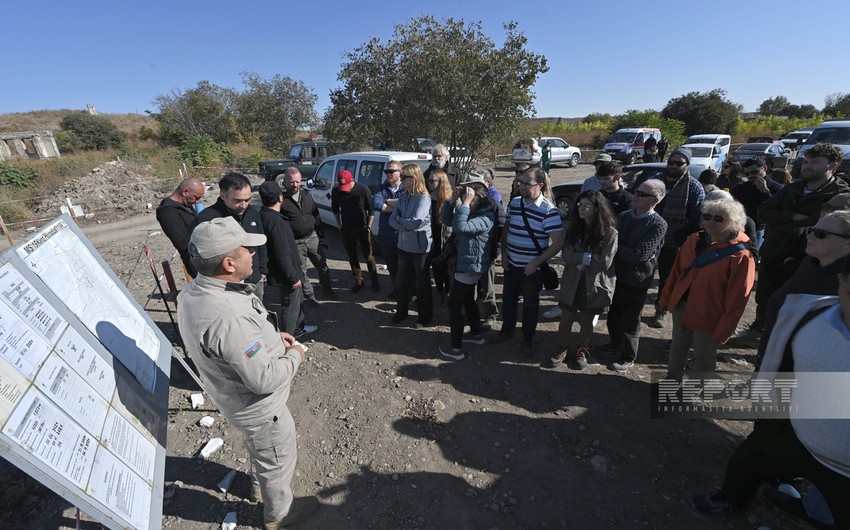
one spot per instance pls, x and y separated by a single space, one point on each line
206 110
837 105
780 106
708 112
441 79
276 109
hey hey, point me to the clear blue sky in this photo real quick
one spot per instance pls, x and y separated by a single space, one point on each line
604 56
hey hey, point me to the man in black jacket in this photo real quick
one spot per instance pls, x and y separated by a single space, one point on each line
284 265
351 203
233 202
176 215
796 205
303 215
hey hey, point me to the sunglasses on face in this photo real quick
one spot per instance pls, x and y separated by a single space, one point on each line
434 181
641 193
753 172
820 233
390 171
716 218
676 163
405 177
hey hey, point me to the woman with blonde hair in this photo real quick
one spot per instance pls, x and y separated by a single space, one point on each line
441 191
709 285
412 219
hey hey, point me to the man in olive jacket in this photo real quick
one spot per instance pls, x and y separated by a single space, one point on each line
796 205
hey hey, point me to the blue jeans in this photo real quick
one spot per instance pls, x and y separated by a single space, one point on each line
516 284
759 238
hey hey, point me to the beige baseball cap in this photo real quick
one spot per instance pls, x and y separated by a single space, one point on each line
220 236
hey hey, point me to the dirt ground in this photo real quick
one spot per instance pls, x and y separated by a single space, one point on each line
392 436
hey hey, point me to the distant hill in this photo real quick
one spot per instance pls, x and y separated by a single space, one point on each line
40 120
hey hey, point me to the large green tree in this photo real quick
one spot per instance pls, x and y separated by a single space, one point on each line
708 112
206 110
774 106
837 105
276 109
443 79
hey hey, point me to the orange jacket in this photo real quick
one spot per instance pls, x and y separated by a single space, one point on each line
717 293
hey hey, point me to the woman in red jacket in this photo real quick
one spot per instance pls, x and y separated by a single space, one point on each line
709 285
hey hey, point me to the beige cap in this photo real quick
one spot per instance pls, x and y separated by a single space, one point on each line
220 236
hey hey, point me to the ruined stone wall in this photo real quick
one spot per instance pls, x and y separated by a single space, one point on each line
28 144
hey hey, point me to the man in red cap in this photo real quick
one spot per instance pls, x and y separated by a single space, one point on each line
351 203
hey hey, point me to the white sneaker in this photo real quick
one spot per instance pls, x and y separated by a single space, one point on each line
553 313
450 353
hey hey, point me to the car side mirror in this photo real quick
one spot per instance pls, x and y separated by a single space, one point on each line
321 184
310 184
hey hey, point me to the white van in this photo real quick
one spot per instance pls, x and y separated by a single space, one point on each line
367 168
627 144
723 140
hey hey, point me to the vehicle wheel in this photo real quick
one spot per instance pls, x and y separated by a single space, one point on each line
565 207
574 160
631 160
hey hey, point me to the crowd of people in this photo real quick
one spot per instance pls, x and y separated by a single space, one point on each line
704 238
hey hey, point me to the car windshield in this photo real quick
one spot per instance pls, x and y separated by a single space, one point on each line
701 152
624 137
699 140
794 136
295 152
837 135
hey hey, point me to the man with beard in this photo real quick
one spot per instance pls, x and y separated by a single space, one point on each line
441 161
233 201
176 216
531 222
796 205
302 213
681 208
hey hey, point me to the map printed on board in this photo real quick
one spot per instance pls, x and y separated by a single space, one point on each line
86 289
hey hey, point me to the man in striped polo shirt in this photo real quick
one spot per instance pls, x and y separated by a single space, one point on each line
530 215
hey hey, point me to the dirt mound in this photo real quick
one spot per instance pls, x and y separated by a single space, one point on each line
113 190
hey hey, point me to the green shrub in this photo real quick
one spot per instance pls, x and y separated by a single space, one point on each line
202 150
146 133
92 132
16 177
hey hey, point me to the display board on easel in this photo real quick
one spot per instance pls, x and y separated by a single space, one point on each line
84 379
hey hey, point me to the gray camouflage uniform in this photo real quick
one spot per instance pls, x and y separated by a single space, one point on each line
247 371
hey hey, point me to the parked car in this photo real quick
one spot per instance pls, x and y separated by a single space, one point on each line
367 168
522 153
776 154
706 156
836 132
561 152
565 195
425 145
795 138
723 140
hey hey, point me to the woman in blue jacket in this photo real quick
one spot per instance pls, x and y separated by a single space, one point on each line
412 219
472 220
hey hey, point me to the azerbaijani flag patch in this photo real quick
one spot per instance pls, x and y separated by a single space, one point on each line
253 349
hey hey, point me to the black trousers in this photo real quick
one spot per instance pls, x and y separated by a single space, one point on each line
413 270
462 298
624 319
773 451
352 238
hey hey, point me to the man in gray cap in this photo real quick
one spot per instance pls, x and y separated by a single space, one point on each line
246 366
592 183
681 208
